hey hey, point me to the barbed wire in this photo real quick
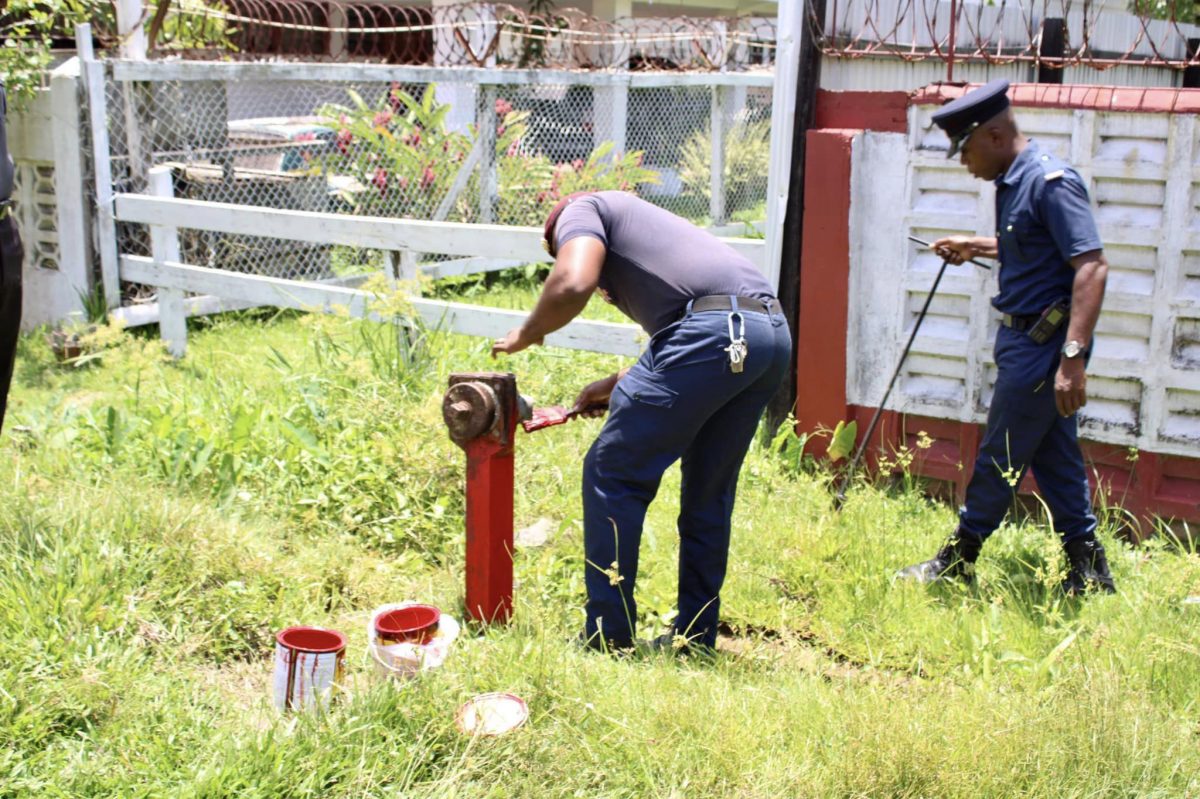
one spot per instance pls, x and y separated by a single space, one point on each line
478 34
1096 35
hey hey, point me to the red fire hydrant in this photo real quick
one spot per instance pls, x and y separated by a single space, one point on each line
481 412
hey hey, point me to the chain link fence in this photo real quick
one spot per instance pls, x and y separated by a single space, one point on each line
501 152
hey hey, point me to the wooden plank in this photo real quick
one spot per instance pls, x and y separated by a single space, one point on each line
447 238
106 226
467 266
474 320
231 71
164 245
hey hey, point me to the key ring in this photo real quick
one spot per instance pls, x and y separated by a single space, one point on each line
742 332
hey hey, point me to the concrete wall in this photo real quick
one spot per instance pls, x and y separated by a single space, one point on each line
1139 152
52 210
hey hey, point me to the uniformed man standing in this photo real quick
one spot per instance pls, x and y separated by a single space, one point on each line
719 349
11 258
1052 276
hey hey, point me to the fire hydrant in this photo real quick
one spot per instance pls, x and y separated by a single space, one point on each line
481 412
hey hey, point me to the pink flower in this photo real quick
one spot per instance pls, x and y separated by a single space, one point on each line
344 137
500 130
403 183
382 118
305 136
577 164
428 177
503 107
624 185
381 180
512 150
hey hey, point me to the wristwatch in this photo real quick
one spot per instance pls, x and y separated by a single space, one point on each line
1073 349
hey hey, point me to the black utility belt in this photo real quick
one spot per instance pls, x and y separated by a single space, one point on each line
1039 327
723 302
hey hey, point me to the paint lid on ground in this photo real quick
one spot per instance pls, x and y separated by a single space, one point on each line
492 714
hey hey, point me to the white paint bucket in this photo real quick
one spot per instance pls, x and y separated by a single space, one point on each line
409 658
308 664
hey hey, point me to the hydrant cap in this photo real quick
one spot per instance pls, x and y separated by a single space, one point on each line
469 410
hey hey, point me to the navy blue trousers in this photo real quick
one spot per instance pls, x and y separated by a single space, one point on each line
1025 431
11 258
681 401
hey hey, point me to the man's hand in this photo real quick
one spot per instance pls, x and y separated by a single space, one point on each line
1070 386
594 398
513 342
956 249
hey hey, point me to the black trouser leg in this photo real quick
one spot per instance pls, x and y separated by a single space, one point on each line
11 256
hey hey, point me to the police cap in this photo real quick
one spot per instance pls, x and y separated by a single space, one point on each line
960 117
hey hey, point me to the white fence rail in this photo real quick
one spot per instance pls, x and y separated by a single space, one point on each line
476 244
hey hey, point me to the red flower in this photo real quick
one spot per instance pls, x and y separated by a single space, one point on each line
541 197
344 137
428 177
503 107
381 180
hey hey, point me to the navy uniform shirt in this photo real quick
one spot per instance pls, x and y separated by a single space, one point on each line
656 261
1043 220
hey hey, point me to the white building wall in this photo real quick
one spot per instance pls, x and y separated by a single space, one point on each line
1143 172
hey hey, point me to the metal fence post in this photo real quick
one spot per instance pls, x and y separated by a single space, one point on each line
164 248
716 200
106 226
485 122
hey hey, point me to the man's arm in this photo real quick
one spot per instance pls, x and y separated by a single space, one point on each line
960 249
1087 295
572 281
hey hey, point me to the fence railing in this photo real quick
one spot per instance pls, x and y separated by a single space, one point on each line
452 144
165 268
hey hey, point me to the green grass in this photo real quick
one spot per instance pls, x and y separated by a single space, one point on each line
161 520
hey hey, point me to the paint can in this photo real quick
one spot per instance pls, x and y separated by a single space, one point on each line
308 664
414 623
408 658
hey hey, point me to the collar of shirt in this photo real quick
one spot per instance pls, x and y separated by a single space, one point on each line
1024 159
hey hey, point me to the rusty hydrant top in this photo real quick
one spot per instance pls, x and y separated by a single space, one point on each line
482 404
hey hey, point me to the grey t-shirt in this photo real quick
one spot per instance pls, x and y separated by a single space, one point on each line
656 261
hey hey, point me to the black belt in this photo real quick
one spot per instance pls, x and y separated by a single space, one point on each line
1020 322
723 302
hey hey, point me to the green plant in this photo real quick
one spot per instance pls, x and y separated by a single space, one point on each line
404 161
747 158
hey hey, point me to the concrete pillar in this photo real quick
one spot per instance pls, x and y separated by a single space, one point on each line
610 104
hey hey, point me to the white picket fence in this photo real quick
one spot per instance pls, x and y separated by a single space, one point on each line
218 288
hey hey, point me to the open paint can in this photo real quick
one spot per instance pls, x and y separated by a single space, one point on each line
492 714
404 642
417 624
308 663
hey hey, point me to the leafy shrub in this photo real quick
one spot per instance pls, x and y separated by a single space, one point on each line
747 159
404 161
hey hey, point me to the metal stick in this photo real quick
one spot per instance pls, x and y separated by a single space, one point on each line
929 245
840 497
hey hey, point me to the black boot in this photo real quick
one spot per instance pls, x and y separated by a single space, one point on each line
1088 568
954 561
